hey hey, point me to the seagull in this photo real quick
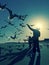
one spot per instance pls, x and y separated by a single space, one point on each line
31 25
25 40
9 22
11 13
2 6
18 29
15 15
22 17
22 25
3 27
13 37
20 33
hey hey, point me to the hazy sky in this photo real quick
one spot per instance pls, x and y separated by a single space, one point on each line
38 14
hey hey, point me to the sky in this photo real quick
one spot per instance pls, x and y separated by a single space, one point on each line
38 15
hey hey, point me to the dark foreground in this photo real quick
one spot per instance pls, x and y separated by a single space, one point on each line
16 54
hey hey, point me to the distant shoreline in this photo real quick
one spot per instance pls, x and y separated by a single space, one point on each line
23 42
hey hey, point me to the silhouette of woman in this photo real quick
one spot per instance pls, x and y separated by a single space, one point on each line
35 38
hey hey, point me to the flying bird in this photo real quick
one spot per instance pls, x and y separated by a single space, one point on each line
11 15
10 23
20 33
22 25
2 6
3 27
22 17
13 37
18 29
31 25
25 40
15 15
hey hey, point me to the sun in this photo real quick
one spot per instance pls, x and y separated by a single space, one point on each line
39 25
39 22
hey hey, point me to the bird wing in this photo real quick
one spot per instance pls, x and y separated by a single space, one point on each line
10 11
4 5
15 15
13 37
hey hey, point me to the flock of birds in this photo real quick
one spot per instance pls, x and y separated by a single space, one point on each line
11 16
